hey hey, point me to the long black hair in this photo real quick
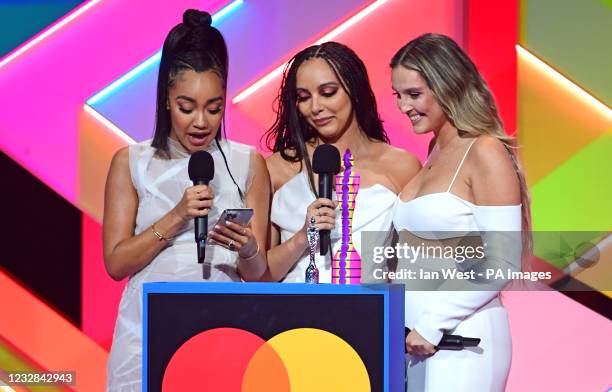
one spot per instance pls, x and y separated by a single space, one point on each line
290 131
191 45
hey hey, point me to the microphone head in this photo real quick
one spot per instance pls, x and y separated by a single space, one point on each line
201 167
326 159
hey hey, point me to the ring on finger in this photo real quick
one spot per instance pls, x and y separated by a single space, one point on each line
231 246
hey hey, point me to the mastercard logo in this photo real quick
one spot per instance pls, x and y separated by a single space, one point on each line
231 359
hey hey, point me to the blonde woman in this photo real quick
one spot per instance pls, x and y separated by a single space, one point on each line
471 182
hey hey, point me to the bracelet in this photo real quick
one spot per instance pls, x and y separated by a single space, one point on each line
159 235
251 257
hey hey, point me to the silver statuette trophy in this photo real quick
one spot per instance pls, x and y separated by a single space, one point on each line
312 234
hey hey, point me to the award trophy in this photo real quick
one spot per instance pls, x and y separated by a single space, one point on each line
312 234
346 262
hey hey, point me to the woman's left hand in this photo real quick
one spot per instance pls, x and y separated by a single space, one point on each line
417 345
235 237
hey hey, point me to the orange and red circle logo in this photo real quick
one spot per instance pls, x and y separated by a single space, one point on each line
231 359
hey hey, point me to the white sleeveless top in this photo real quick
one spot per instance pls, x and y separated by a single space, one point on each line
373 212
160 184
444 215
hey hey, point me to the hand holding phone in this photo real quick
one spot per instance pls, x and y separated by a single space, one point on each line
232 230
241 216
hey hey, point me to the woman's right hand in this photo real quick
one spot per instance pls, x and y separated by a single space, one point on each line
417 345
324 212
196 201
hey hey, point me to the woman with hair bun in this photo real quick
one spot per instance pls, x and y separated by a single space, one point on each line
470 188
150 202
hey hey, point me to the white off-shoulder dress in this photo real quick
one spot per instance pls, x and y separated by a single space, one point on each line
475 310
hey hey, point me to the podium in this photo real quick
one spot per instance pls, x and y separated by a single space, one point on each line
203 336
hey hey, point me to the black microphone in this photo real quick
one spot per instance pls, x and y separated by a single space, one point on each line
452 342
326 163
201 170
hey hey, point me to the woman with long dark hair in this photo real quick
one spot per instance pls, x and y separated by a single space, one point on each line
471 188
150 202
325 97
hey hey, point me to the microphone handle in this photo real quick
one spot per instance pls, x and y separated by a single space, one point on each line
325 191
200 224
453 342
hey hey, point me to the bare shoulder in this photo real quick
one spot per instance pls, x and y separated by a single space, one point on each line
401 165
490 154
257 160
493 175
392 154
280 170
119 187
123 153
259 166
121 160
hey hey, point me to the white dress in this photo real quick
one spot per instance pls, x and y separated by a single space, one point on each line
478 313
373 213
160 184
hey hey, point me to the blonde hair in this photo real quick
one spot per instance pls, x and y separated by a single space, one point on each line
465 99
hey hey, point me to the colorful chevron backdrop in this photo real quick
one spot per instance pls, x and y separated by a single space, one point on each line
77 82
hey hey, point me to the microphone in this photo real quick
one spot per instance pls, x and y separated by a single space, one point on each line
326 163
452 342
201 170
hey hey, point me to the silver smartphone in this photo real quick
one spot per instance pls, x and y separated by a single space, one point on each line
241 216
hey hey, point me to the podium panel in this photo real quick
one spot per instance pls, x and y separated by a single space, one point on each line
272 337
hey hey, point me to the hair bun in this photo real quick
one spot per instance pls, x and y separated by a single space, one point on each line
196 18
